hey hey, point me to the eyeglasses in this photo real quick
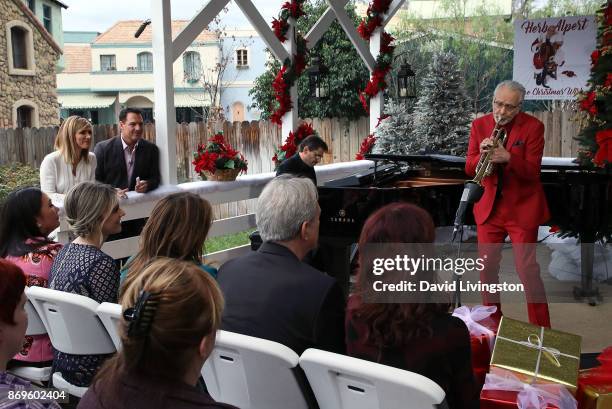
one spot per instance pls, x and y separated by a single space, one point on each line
500 105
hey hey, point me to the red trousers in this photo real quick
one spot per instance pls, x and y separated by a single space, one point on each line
490 235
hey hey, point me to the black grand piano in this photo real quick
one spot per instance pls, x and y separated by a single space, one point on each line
579 200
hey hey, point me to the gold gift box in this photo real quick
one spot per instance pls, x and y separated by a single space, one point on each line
597 397
542 353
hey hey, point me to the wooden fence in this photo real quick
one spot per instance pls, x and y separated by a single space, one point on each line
257 140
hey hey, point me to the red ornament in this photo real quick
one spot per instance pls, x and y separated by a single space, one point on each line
604 152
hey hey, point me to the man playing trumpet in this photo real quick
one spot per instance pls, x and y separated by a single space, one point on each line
513 202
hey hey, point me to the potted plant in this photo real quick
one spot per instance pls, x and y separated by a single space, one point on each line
217 160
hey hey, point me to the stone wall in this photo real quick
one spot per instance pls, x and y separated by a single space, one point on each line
40 88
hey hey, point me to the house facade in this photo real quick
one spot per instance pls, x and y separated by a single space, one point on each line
49 12
247 58
28 59
114 70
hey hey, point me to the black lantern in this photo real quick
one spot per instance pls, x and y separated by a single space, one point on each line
406 82
318 79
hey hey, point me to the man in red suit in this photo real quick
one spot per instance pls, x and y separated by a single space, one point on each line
513 202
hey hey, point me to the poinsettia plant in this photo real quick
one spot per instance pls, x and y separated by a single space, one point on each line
218 154
289 148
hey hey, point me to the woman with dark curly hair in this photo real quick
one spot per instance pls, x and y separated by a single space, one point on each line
27 217
419 337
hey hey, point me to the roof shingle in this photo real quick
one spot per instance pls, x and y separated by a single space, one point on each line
77 58
123 32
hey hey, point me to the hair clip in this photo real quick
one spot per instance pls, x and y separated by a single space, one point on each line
141 315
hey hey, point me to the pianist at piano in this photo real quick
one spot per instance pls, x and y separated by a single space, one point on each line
513 202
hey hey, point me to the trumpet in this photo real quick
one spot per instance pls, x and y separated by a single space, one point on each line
485 167
473 190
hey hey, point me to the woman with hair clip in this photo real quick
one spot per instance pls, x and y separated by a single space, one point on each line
93 213
71 162
419 337
172 311
27 218
178 230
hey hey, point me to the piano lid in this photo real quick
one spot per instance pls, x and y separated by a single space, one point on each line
548 163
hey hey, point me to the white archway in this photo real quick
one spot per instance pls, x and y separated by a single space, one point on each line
166 51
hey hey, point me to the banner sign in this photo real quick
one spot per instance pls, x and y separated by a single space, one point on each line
552 56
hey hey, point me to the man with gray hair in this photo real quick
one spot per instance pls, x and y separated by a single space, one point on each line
270 293
513 202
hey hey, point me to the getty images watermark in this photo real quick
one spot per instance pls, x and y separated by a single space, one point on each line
405 264
426 272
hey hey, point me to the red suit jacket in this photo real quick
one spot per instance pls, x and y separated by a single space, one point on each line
522 190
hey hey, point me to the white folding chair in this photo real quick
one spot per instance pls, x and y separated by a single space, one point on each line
343 382
35 327
254 373
73 326
110 315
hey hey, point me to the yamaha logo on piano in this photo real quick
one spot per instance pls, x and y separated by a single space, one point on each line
342 217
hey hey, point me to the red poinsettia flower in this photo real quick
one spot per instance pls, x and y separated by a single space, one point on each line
289 148
604 152
595 57
280 28
218 153
366 147
608 82
588 103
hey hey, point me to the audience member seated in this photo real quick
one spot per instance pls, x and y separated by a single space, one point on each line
71 162
178 230
13 325
422 338
93 212
271 293
172 311
26 219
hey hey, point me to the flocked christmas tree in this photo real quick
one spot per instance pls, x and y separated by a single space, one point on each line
595 104
441 116
394 133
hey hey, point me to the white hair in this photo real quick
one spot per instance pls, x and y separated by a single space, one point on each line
284 204
512 85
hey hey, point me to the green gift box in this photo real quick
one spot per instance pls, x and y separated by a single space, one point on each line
541 353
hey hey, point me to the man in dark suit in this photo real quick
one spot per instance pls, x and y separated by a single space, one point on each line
270 293
513 203
310 152
127 161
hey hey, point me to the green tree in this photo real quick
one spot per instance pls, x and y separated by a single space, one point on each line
482 40
347 73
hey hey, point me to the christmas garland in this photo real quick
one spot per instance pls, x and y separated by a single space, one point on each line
290 70
369 141
367 26
596 138
377 82
289 148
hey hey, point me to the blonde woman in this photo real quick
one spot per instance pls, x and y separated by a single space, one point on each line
172 311
71 162
93 213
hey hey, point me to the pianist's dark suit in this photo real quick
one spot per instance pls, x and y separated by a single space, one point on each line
271 294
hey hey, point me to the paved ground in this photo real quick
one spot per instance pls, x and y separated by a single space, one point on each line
593 323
